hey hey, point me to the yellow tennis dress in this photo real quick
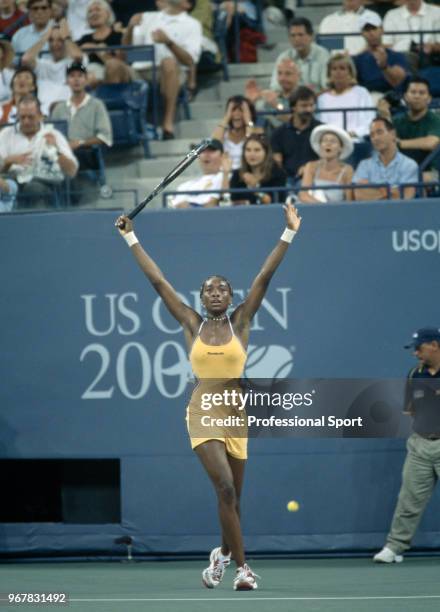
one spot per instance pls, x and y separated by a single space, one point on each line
218 369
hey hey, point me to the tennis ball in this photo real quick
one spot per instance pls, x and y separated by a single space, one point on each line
293 506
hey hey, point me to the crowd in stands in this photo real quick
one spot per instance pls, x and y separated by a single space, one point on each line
331 117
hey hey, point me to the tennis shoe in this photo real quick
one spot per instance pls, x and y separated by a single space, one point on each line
213 575
386 555
245 579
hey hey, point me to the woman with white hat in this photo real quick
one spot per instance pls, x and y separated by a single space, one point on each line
332 144
6 57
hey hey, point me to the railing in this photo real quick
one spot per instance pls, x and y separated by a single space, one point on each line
333 41
58 197
418 186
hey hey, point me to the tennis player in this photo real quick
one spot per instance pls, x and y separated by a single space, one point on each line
217 350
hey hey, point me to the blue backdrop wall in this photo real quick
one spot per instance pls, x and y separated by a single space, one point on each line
92 366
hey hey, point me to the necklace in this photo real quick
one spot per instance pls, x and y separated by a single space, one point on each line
217 318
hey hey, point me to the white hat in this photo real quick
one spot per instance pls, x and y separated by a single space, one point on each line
369 18
344 137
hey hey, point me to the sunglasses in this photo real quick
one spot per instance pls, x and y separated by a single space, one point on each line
39 8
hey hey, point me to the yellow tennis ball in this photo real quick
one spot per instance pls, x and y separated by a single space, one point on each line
293 506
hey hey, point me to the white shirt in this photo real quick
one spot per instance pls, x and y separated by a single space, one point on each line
234 150
77 18
343 22
400 19
5 84
358 122
51 77
184 31
27 36
201 183
14 142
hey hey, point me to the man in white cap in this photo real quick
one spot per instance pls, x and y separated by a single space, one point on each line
379 69
422 464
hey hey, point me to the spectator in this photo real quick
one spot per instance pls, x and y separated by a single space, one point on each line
177 38
210 56
215 170
291 141
379 69
257 171
11 18
37 155
6 73
418 130
87 118
40 16
386 165
416 16
346 21
51 69
310 58
413 16
237 124
8 194
59 10
23 83
332 145
345 93
108 67
77 18
278 98
381 7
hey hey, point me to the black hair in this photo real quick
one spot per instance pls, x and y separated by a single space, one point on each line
417 79
22 69
32 2
302 93
202 288
238 100
387 123
301 21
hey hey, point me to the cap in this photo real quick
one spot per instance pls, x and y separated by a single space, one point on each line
215 145
425 334
76 66
369 18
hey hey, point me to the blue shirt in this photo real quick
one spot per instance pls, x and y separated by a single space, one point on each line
27 37
7 200
371 76
400 170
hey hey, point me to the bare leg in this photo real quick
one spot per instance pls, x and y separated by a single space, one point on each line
237 467
169 85
214 459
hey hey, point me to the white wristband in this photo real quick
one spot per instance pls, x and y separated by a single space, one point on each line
288 235
131 239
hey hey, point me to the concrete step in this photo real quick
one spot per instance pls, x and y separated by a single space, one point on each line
316 13
234 87
198 129
260 69
179 146
270 55
206 110
157 169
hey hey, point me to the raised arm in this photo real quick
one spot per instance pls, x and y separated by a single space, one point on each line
244 313
187 317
